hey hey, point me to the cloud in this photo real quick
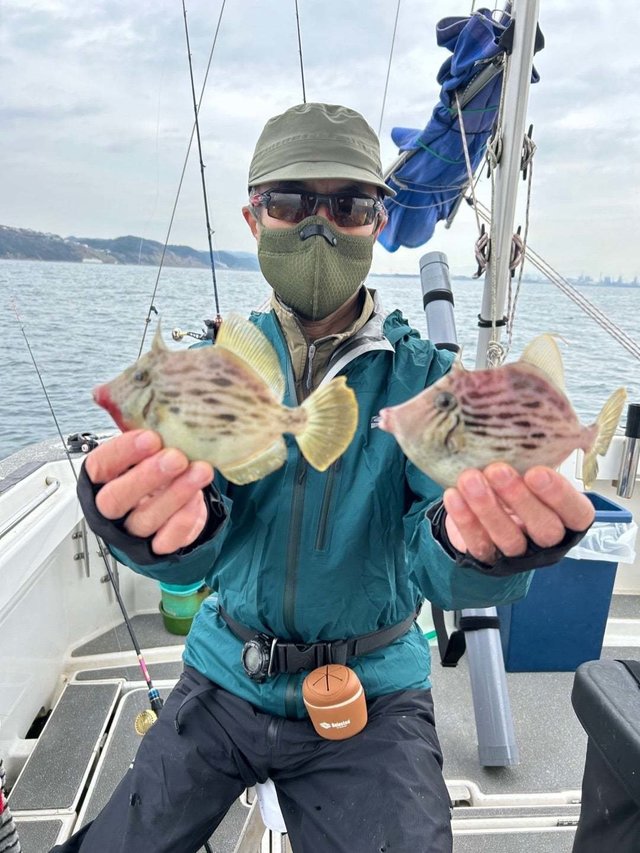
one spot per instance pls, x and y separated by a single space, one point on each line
97 114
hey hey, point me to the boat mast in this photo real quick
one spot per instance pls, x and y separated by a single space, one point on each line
517 77
497 744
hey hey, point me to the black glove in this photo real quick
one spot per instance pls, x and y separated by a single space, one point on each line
535 557
138 548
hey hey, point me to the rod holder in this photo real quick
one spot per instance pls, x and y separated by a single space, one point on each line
437 300
497 746
630 453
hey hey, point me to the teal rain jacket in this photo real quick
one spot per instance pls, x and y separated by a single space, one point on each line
309 556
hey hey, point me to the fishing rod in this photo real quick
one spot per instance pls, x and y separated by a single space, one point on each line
304 93
185 163
145 719
218 318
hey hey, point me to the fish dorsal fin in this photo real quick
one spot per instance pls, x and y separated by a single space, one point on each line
158 345
457 361
245 340
543 352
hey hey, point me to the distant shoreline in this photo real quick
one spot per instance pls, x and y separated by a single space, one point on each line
399 275
23 244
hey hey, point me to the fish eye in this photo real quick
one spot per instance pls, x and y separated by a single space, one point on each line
141 376
445 401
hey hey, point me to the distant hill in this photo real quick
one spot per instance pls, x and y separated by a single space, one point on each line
26 245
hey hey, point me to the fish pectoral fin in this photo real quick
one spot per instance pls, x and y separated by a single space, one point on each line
455 440
606 422
245 340
332 417
258 466
543 352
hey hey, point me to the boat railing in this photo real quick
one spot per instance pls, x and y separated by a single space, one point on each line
52 486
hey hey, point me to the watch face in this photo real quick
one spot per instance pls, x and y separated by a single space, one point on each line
252 658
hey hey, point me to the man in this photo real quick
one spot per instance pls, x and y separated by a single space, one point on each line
304 561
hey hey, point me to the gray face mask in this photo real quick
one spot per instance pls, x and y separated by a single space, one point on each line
314 268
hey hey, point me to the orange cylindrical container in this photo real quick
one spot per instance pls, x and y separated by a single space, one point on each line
335 700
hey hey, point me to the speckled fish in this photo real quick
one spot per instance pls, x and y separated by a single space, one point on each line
223 404
517 413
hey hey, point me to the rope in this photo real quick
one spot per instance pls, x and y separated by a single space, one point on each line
386 82
496 352
304 93
481 252
467 160
529 149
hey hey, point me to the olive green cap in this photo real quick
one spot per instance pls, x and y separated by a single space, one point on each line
317 141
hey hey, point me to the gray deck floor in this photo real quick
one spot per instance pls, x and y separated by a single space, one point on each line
551 742
118 754
149 629
37 835
536 699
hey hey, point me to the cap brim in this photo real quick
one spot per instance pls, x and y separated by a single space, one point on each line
322 170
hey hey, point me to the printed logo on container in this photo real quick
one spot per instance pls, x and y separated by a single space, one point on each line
341 725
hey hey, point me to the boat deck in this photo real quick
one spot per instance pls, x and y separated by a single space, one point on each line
532 806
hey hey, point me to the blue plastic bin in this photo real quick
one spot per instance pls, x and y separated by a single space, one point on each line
561 622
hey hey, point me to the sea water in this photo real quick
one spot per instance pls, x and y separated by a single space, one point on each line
85 323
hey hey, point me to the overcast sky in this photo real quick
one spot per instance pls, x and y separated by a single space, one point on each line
96 114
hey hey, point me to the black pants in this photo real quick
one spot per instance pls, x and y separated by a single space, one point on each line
382 790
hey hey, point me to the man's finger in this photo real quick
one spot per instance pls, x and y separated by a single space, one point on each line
542 524
182 528
117 455
121 495
574 509
151 514
465 531
502 530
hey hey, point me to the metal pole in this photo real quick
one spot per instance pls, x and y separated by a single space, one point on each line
497 745
516 96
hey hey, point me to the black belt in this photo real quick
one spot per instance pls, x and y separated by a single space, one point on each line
276 656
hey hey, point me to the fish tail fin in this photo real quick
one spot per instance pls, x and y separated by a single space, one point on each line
332 416
606 424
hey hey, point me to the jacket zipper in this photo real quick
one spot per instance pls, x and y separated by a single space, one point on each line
297 506
311 353
293 547
326 504
302 390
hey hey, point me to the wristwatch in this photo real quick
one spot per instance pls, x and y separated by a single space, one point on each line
257 657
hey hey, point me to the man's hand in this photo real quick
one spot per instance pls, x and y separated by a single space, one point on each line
494 508
159 488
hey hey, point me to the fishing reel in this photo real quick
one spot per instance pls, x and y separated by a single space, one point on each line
206 335
82 442
144 720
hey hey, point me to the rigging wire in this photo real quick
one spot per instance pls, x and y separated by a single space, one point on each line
218 318
386 82
180 182
147 717
304 93
581 301
527 166
467 160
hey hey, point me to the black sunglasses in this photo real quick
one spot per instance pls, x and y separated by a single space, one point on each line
346 209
